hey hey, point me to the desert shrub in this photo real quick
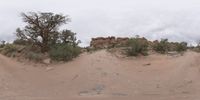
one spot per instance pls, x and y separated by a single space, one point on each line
180 47
137 46
64 52
2 44
32 48
162 46
195 48
20 42
33 56
9 50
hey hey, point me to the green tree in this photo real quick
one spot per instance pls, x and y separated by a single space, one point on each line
42 28
2 44
68 37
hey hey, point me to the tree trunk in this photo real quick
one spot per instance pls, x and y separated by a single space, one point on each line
45 47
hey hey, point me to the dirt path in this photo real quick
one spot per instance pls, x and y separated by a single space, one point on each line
102 76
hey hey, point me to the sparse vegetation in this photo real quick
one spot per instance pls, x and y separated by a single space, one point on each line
181 47
42 37
162 46
9 50
64 52
2 44
42 29
196 49
21 42
33 56
137 46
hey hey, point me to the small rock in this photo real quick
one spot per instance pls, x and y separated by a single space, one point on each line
104 74
190 81
49 68
47 61
117 74
148 64
157 86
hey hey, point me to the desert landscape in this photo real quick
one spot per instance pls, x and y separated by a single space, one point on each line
102 75
99 50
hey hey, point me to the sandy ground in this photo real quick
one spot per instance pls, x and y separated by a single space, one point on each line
103 76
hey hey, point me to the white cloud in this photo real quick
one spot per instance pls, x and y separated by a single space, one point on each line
177 20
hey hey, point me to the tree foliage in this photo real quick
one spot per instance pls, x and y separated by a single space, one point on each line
42 29
2 44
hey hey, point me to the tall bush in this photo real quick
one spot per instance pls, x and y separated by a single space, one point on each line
180 47
9 50
64 52
162 46
137 46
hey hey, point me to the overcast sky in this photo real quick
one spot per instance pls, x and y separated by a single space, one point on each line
178 20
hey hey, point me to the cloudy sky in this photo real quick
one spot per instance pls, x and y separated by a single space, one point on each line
178 20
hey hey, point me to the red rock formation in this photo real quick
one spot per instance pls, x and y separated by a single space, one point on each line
122 41
106 42
102 42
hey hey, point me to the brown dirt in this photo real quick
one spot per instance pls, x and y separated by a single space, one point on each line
103 76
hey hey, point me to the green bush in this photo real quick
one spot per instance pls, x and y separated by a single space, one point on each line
9 50
20 42
180 47
162 46
33 56
2 44
64 52
137 46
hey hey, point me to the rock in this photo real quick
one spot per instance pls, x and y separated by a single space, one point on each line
110 42
148 64
47 61
117 74
157 86
106 42
49 68
104 73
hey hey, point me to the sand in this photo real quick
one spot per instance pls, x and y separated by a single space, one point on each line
103 76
